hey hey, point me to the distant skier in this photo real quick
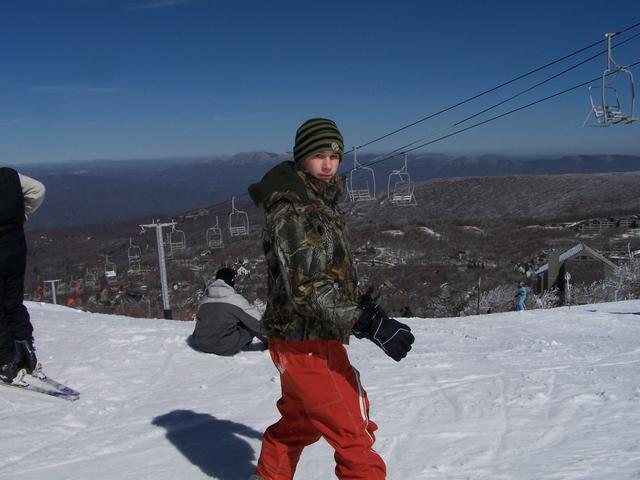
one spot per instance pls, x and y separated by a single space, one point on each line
20 196
521 296
406 312
225 322
313 307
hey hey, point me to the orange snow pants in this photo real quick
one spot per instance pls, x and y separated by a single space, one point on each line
321 397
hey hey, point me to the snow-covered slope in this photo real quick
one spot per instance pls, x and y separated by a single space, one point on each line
548 394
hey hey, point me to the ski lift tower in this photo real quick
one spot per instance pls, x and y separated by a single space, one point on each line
402 193
362 181
161 260
214 236
54 288
606 107
238 221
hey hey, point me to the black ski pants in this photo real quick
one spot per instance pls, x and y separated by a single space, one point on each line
14 318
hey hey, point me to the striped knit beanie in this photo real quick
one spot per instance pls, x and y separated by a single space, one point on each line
317 135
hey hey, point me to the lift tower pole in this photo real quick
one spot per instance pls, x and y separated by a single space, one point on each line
53 289
163 268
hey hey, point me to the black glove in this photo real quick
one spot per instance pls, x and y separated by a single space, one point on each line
393 337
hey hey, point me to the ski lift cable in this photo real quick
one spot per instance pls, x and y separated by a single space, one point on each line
508 99
436 134
543 81
402 150
522 107
531 104
493 89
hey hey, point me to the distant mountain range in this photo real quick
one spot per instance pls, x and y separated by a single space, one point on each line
102 192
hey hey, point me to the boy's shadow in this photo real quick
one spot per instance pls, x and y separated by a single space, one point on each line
213 445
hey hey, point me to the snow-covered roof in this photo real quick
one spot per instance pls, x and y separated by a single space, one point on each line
572 252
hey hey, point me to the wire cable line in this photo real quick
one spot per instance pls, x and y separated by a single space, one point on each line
496 117
547 80
403 149
493 89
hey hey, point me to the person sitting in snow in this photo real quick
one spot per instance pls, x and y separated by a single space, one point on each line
20 196
225 321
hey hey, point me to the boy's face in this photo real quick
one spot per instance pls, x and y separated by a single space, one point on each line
322 165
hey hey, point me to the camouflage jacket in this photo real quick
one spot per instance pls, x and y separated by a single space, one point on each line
312 280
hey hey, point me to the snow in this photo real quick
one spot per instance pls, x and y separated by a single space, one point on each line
631 234
473 229
393 233
546 394
428 231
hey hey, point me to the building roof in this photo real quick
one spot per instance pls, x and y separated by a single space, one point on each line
575 250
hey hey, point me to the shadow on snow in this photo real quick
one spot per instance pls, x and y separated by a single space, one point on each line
211 444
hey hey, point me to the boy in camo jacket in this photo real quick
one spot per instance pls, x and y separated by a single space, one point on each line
313 307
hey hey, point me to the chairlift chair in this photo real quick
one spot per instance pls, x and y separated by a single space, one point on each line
91 279
362 182
402 193
135 257
168 247
606 107
110 271
238 221
177 239
214 236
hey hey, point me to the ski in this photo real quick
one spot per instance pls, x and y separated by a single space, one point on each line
48 386
40 375
38 389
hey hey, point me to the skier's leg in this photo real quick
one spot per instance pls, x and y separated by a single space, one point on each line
342 416
284 441
17 316
8 364
6 338
13 295
330 397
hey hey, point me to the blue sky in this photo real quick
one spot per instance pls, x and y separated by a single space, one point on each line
118 79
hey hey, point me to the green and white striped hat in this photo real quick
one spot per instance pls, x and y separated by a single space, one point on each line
317 135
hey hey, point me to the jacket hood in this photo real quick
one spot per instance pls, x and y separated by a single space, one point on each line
281 178
286 180
219 289
219 293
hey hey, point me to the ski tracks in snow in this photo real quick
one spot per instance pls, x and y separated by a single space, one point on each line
552 394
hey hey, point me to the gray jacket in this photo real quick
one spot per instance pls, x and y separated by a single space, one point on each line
225 321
